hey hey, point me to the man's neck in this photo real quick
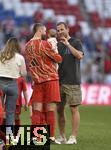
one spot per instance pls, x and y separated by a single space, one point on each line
36 36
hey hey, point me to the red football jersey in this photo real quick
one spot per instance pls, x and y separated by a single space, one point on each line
41 61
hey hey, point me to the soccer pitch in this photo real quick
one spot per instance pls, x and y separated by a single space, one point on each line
94 132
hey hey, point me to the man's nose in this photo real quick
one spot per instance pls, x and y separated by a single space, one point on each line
59 32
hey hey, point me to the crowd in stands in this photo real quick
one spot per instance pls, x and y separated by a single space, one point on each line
96 65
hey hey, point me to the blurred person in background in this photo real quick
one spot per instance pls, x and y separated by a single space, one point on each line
38 15
107 68
8 27
25 32
12 66
41 59
49 23
70 79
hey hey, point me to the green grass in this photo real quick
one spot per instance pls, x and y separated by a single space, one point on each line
94 132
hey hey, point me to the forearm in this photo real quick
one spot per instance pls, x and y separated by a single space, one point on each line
54 56
77 53
74 51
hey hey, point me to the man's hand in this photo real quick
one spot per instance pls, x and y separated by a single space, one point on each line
64 41
74 51
25 107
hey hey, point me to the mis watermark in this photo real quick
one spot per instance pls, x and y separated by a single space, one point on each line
26 137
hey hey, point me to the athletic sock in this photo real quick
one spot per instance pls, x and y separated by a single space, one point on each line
50 119
36 117
43 120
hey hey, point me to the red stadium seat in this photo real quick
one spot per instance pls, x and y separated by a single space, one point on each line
60 7
95 18
107 22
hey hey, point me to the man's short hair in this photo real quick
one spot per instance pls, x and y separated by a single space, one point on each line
64 23
36 26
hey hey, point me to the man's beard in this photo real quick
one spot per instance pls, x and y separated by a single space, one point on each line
44 36
63 35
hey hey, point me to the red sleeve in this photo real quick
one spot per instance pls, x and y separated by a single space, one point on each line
51 53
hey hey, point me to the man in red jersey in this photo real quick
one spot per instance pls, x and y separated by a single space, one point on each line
41 64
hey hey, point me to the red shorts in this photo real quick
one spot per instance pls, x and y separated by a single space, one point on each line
18 110
46 92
